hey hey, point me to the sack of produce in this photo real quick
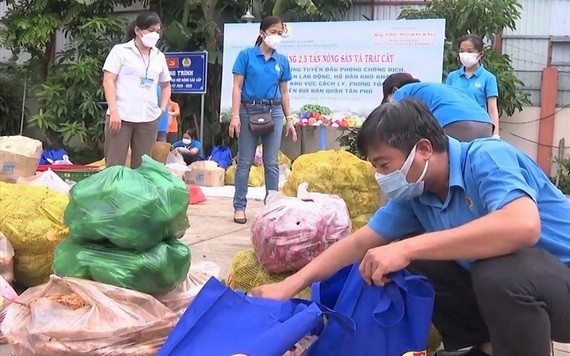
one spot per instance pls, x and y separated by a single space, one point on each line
180 297
173 194
156 270
48 179
282 159
32 221
7 296
289 233
6 259
340 173
133 209
256 176
69 316
247 273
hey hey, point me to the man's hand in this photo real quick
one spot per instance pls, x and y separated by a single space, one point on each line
281 291
381 261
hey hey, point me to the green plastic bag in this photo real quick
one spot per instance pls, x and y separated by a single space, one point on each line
174 194
132 209
156 270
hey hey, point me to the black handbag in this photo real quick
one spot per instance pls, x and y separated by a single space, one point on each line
263 123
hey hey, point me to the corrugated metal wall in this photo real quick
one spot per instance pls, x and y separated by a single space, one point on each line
528 45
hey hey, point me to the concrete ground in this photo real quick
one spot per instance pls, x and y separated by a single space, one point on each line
213 235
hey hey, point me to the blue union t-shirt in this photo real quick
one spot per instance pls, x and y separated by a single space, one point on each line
446 103
484 176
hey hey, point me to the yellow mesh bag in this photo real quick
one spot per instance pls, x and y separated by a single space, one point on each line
340 173
246 273
256 176
32 220
33 270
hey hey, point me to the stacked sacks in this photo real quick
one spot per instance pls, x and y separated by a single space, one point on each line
32 221
340 173
123 229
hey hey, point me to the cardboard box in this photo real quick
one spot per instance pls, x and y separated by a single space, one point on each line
19 157
205 174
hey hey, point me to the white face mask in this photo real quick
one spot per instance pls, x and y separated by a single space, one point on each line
396 186
186 141
272 41
150 39
469 59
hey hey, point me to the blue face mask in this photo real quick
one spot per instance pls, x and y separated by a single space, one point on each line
395 184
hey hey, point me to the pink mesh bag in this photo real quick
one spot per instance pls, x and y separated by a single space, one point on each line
291 231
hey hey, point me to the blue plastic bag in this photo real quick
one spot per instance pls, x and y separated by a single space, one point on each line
390 320
221 322
50 156
222 155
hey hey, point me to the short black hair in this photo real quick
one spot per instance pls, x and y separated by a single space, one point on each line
476 40
401 124
396 80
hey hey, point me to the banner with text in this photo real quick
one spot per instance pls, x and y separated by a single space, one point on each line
342 65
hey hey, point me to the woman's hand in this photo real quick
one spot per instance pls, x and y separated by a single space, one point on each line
234 128
114 122
291 130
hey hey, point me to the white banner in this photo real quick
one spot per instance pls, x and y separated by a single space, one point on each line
342 65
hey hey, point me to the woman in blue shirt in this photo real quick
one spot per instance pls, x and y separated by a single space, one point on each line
457 113
189 148
473 79
260 86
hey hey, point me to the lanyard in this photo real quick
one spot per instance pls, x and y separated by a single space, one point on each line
147 64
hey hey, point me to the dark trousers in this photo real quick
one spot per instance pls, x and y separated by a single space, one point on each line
519 302
466 131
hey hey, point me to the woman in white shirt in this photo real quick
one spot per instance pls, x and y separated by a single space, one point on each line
132 72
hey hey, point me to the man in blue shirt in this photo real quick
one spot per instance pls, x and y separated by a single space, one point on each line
459 115
189 148
480 219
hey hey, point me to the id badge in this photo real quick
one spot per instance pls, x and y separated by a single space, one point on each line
146 82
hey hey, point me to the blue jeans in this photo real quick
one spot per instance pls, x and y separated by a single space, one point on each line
247 143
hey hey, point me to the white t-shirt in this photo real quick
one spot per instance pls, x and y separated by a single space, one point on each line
137 102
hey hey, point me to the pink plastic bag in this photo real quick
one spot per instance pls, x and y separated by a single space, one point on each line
290 232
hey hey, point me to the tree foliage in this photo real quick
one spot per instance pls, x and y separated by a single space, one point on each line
67 84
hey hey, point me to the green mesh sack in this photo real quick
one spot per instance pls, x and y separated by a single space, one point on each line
156 270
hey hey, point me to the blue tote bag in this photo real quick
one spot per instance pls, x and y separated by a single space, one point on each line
221 322
390 320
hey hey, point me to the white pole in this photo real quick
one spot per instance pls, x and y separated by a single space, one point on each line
23 105
202 118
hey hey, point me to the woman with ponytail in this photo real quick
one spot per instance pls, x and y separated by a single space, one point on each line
131 75
260 87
